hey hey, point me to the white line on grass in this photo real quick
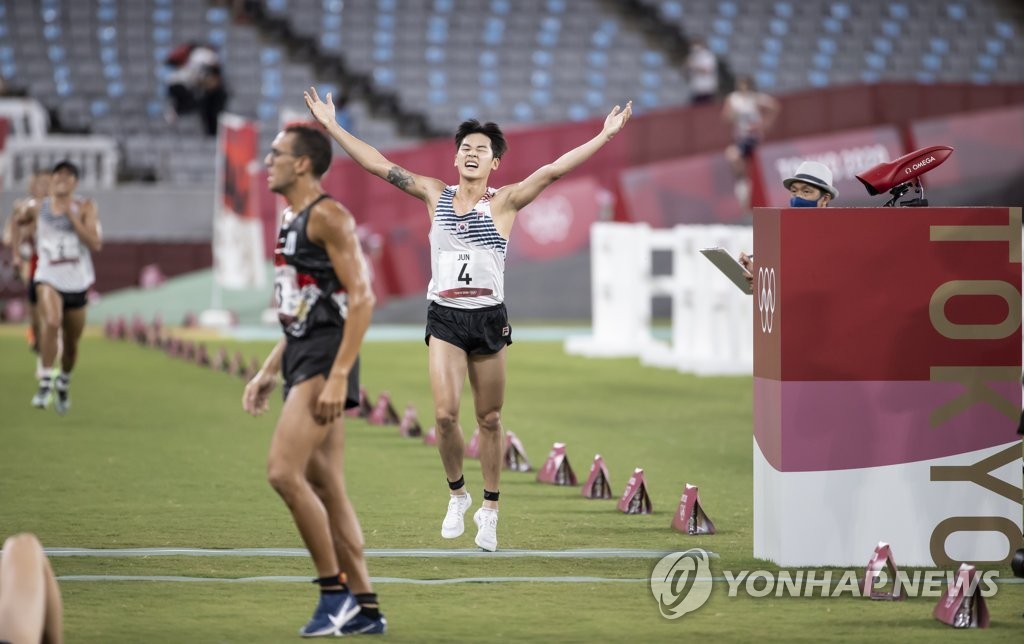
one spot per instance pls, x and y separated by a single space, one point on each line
585 553
404 580
376 580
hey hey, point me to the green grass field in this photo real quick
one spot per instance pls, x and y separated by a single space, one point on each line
157 453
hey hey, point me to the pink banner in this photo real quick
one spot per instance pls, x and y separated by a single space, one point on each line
987 144
558 223
846 154
690 190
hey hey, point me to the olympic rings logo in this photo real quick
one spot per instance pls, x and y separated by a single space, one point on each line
767 290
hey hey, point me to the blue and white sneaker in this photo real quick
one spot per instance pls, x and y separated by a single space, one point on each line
363 625
332 613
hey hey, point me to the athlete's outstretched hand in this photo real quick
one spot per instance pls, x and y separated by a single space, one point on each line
321 111
616 119
257 393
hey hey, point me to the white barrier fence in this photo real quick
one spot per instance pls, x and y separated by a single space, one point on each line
31 147
27 117
96 156
711 318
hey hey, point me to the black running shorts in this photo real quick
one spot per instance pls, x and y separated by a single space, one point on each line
69 299
312 356
475 331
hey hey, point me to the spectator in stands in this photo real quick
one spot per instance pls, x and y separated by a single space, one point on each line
24 256
809 187
702 69
751 114
240 9
213 98
67 230
467 329
318 259
31 609
196 84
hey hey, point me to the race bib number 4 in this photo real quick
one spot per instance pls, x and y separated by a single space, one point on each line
464 274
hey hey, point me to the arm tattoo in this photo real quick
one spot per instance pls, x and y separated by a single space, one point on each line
399 178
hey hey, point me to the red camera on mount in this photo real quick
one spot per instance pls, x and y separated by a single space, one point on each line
900 175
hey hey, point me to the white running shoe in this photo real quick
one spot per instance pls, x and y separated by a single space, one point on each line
44 395
454 524
486 521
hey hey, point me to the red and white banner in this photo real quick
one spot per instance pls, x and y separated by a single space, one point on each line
238 257
887 362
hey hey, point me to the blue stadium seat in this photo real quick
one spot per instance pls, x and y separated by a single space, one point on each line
931 62
899 11
768 60
765 80
956 12
540 97
840 11
1004 29
578 112
817 78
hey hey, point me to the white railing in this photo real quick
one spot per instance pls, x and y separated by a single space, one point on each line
27 117
96 156
712 320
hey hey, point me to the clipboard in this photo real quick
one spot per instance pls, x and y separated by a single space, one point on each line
732 269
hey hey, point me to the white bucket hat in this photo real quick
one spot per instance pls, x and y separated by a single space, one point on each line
814 174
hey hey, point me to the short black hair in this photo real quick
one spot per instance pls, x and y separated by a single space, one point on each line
311 142
488 129
66 165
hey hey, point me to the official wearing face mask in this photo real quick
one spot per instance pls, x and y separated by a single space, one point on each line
809 187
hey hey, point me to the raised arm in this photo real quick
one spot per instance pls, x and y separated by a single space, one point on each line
87 225
518 195
423 188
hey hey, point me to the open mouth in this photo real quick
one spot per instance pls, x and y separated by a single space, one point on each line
472 164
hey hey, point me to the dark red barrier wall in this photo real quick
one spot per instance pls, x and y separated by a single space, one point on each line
119 263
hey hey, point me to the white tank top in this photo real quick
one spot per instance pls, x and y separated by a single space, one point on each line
467 255
64 260
746 114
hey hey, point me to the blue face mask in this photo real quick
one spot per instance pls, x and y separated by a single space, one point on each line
797 202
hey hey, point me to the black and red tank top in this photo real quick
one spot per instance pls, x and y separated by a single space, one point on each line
308 292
